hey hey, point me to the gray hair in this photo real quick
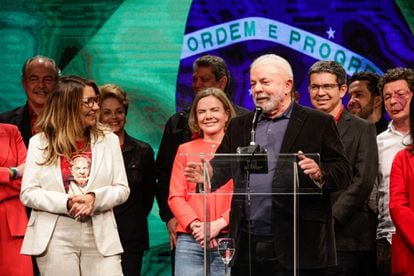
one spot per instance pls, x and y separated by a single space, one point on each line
280 64
38 57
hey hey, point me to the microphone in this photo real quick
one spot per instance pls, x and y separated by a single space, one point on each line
257 112
253 158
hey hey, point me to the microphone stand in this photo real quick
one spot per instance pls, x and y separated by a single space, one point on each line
250 151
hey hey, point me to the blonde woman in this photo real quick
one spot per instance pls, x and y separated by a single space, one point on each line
72 229
210 113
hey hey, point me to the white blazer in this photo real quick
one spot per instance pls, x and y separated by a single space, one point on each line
43 191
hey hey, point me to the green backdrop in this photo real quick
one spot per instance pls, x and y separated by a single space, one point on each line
134 43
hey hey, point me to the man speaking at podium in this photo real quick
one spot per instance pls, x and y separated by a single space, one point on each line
264 232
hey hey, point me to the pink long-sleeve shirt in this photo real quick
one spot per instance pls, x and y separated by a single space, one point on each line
184 202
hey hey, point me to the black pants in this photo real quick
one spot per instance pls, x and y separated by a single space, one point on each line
262 260
383 257
355 263
132 263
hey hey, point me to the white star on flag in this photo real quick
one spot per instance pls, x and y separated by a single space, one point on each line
331 33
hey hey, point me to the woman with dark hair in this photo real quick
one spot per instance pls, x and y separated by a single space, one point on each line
402 206
72 229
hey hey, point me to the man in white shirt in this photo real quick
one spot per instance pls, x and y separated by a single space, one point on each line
396 86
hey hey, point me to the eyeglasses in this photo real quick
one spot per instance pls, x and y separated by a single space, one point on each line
327 87
89 102
397 94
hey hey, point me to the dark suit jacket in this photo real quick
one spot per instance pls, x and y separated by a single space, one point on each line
309 131
20 117
131 216
176 132
355 223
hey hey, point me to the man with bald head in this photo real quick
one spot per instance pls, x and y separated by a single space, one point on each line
39 77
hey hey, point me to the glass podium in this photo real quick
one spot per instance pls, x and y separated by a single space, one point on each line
259 185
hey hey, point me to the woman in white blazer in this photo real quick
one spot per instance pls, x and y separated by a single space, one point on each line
74 176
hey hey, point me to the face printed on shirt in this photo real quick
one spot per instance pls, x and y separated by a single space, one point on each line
80 168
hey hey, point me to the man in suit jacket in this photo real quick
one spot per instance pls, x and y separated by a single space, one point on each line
264 231
354 221
39 77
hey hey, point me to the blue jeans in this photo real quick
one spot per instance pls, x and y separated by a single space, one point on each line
189 258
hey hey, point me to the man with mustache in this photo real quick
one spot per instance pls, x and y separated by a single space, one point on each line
262 223
39 77
365 100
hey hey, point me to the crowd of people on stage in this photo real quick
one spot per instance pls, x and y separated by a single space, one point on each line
76 189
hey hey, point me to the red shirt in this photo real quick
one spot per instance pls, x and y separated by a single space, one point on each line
338 116
76 170
184 202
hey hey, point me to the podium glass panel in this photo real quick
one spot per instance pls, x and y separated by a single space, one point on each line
271 197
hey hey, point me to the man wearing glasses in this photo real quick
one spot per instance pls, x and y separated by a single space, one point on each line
354 222
396 86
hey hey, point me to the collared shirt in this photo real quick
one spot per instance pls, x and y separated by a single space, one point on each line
389 143
269 135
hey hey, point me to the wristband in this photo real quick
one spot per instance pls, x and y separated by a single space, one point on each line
14 172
